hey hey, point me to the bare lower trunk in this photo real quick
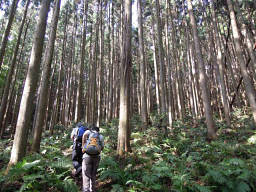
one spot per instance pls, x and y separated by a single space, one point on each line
25 112
44 88
220 71
143 95
124 115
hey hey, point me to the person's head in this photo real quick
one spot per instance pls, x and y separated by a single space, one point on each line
95 128
79 124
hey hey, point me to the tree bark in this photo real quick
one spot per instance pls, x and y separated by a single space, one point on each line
101 69
158 101
25 112
211 131
44 88
11 71
220 70
94 72
161 58
112 59
81 66
124 115
7 30
143 95
169 63
249 89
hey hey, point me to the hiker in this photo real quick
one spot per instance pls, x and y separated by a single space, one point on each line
76 136
93 144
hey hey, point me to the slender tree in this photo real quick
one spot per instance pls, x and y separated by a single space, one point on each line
161 58
143 95
202 77
124 114
81 66
44 87
249 89
220 70
25 112
11 71
7 30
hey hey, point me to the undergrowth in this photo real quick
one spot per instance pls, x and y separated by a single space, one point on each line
184 161
47 171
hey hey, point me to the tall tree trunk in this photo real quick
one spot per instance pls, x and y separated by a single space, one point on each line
93 74
112 59
156 74
81 66
44 88
25 112
11 71
249 89
60 88
248 36
220 70
20 75
69 76
143 95
126 62
169 65
211 131
193 103
52 94
101 69
161 58
7 30
89 85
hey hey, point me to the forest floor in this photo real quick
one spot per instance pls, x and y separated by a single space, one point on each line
184 161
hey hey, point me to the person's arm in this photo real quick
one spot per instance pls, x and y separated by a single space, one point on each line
73 134
102 142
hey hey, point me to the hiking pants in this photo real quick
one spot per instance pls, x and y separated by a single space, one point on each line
77 159
89 171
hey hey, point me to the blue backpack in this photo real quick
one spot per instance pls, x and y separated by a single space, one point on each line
93 146
80 132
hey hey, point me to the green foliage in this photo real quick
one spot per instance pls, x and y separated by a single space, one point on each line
231 175
49 170
184 161
110 131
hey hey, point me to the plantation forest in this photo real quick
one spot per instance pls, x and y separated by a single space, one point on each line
170 83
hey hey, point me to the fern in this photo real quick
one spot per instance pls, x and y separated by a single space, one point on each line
242 187
117 188
68 185
31 181
162 169
216 176
157 187
149 179
134 184
201 188
29 165
236 162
